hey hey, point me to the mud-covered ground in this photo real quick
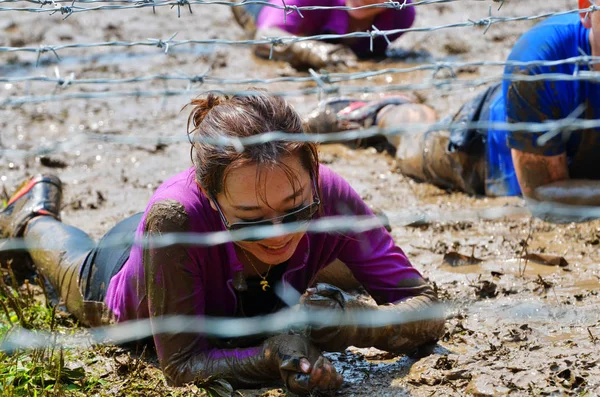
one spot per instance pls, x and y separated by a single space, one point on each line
516 327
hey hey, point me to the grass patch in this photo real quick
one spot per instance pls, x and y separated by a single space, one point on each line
94 371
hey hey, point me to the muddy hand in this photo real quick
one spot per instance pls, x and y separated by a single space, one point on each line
301 365
323 376
326 296
317 55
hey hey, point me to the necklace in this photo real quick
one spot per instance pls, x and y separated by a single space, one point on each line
264 284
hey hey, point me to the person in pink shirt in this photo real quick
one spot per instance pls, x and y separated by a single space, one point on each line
226 191
261 21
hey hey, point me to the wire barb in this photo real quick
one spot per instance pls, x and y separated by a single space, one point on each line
164 44
179 4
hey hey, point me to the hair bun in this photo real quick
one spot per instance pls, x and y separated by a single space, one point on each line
202 106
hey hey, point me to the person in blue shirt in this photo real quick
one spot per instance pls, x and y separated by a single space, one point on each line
550 169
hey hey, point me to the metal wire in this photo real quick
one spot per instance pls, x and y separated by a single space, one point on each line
332 78
440 84
564 126
486 22
136 4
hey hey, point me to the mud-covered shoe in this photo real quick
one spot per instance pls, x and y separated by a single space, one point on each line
324 118
342 114
41 195
246 15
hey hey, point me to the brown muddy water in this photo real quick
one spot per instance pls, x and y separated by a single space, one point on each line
515 327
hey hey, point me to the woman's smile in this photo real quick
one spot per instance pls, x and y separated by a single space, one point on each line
276 250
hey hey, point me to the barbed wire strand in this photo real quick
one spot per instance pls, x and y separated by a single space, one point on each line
332 78
331 224
291 318
486 22
286 319
342 136
439 84
137 4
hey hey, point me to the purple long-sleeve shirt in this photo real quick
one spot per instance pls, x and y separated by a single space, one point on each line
208 272
315 22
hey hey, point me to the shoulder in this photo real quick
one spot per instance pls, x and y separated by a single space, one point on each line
177 198
330 182
556 38
337 196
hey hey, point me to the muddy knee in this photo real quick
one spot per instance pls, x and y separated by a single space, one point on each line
410 145
396 116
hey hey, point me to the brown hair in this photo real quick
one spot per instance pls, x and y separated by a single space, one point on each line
251 113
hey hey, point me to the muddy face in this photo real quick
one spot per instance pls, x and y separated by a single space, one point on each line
255 193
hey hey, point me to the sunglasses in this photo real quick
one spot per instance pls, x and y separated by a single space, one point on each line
304 214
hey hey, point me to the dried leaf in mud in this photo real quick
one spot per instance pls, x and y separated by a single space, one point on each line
548 260
455 259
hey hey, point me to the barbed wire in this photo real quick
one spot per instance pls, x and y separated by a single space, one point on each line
321 89
486 22
293 318
330 224
137 4
565 125
332 78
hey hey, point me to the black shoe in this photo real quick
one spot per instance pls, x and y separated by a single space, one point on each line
41 195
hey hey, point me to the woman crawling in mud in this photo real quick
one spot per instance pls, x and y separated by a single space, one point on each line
266 184
556 173
261 21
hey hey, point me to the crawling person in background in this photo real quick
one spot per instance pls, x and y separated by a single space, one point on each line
560 175
264 21
225 190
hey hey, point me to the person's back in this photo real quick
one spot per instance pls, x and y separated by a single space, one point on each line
548 98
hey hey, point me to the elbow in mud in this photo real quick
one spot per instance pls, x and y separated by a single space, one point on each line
183 371
174 376
413 336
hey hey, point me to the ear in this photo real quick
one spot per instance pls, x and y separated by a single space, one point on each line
585 17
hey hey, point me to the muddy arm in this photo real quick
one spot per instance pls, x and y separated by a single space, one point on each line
305 54
542 170
383 269
175 287
404 337
546 179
